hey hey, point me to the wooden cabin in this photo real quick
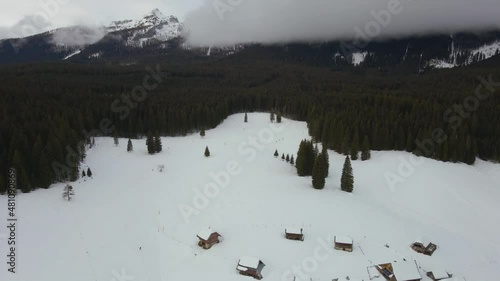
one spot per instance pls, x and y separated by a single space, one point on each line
294 233
249 266
400 271
437 275
208 238
343 243
419 247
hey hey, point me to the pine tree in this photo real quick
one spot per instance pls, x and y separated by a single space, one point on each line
150 143
276 154
46 177
207 152
327 158
278 117
287 159
83 174
89 173
157 146
354 147
202 133
68 192
292 161
115 138
319 171
283 156
347 179
305 158
365 149
271 116
130 147
246 118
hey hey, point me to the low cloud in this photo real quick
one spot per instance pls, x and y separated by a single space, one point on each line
226 22
78 36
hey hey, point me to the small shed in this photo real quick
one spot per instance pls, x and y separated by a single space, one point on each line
208 238
294 233
250 266
343 243
420 247
437 275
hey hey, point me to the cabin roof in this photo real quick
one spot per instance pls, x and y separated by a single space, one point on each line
342 240
406 270
205 233
293 230
248 262
440 274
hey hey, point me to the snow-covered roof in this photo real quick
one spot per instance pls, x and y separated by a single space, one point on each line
293 230
342 240
248 262
406 270
440 274
205 233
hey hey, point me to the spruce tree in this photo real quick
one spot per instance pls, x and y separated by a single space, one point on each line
157 145
287 159
115 138
347 179
319 172
83 174
130 147
150 143
365 149
327 158
283 156
89 173
202 133
46 177
278 117
292 161
305 158
355 146
271 116
207 152
246 118
276 154
68 192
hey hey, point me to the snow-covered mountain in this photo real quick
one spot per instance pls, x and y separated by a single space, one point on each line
154 26
156 34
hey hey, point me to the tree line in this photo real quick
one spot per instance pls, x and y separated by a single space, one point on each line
50 112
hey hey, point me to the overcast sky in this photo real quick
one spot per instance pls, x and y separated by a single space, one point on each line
219 22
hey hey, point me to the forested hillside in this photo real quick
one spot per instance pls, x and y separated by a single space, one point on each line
50 112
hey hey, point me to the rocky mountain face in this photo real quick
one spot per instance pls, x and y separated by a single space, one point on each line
155 34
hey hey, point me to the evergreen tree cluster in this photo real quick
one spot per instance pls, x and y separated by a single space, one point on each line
153 143
51 112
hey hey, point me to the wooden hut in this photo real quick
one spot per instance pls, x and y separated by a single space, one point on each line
250 267
437 275
294 233
208 238
343 243
400 271
420 247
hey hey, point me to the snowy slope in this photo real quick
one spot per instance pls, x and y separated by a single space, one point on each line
153 26
130 204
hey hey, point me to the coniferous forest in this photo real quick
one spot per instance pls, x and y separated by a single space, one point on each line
51 112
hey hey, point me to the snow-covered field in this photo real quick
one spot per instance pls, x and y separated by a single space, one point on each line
126 222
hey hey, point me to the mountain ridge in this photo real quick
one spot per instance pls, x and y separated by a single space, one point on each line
156 34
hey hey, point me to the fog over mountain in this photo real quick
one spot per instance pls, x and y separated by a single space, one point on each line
225 22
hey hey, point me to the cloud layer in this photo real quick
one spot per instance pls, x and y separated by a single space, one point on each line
226 22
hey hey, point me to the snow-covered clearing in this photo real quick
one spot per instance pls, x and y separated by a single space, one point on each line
127 221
